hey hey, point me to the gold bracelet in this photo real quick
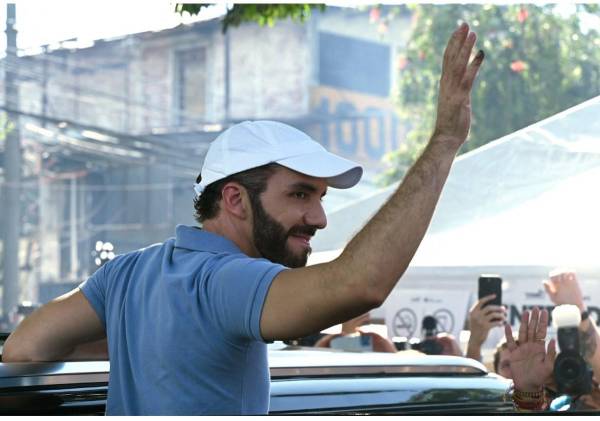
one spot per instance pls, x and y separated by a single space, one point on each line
521 395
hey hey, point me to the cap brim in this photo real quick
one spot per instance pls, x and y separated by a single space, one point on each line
340 173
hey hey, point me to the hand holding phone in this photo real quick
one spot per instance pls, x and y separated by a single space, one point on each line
488 285
481 320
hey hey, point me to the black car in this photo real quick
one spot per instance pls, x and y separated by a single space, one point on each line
303 381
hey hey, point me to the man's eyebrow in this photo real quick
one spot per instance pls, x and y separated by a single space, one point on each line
306 186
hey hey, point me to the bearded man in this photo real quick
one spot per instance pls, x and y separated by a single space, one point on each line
187 320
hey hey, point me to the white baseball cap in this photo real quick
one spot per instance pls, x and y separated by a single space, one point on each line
252 144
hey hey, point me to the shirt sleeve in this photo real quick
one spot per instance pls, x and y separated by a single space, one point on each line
94 289
238 290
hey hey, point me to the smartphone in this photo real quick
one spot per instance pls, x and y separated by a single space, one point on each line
490 284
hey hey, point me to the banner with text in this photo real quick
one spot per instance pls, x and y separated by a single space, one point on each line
406 308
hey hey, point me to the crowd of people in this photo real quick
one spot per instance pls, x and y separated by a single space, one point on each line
218 292
523 358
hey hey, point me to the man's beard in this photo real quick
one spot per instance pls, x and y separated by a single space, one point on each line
270 238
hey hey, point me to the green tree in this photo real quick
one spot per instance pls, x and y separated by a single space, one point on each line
540 60
263 14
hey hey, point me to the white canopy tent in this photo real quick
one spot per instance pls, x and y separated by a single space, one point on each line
518 206
530 198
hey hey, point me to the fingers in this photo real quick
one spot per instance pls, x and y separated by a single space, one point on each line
465 51
484 300
542 326
487 298
533 324
537 325
523 327
559 276
492 309
457 56
572 276
473 69
494 316
456 42
510 340
495 319
558 273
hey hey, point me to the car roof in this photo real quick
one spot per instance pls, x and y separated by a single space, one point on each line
283 363
325 361
304 381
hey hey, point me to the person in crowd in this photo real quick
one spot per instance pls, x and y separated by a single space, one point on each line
563 287
482 318
351 328
187 320
450 345
530 365
502 360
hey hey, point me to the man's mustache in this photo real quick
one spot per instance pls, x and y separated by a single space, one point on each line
303 229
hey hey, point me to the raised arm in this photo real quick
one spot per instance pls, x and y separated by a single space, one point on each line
563 288
65 329
482 319
302 301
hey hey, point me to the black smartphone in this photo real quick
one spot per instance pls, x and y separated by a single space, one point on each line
490 284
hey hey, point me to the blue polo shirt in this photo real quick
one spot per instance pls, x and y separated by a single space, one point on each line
183 326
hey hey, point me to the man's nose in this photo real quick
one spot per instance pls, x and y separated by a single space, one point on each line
316 217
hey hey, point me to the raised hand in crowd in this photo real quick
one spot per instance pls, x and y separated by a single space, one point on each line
563 288
530 363
482 319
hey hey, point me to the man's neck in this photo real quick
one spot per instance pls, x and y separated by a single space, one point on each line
234 232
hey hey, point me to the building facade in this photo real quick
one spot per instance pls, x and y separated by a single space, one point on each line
114 133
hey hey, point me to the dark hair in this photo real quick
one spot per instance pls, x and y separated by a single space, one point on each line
253 180
501 347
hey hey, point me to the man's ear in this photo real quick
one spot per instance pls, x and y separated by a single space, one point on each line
234 200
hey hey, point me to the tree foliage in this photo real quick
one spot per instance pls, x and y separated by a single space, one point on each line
263 14
540 60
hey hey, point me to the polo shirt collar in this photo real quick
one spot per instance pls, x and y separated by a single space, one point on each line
197 239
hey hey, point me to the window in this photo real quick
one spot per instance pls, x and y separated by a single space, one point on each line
354 64
190 83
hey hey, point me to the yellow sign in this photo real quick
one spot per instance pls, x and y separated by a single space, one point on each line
358 126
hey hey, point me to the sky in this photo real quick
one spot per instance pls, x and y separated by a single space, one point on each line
43 22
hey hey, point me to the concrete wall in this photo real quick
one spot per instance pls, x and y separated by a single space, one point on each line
270 71
129 85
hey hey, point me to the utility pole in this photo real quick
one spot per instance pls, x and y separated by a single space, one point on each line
227 70
12 173
45 85
73 229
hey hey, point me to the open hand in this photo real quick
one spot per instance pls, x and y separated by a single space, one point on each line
530 365
454 102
